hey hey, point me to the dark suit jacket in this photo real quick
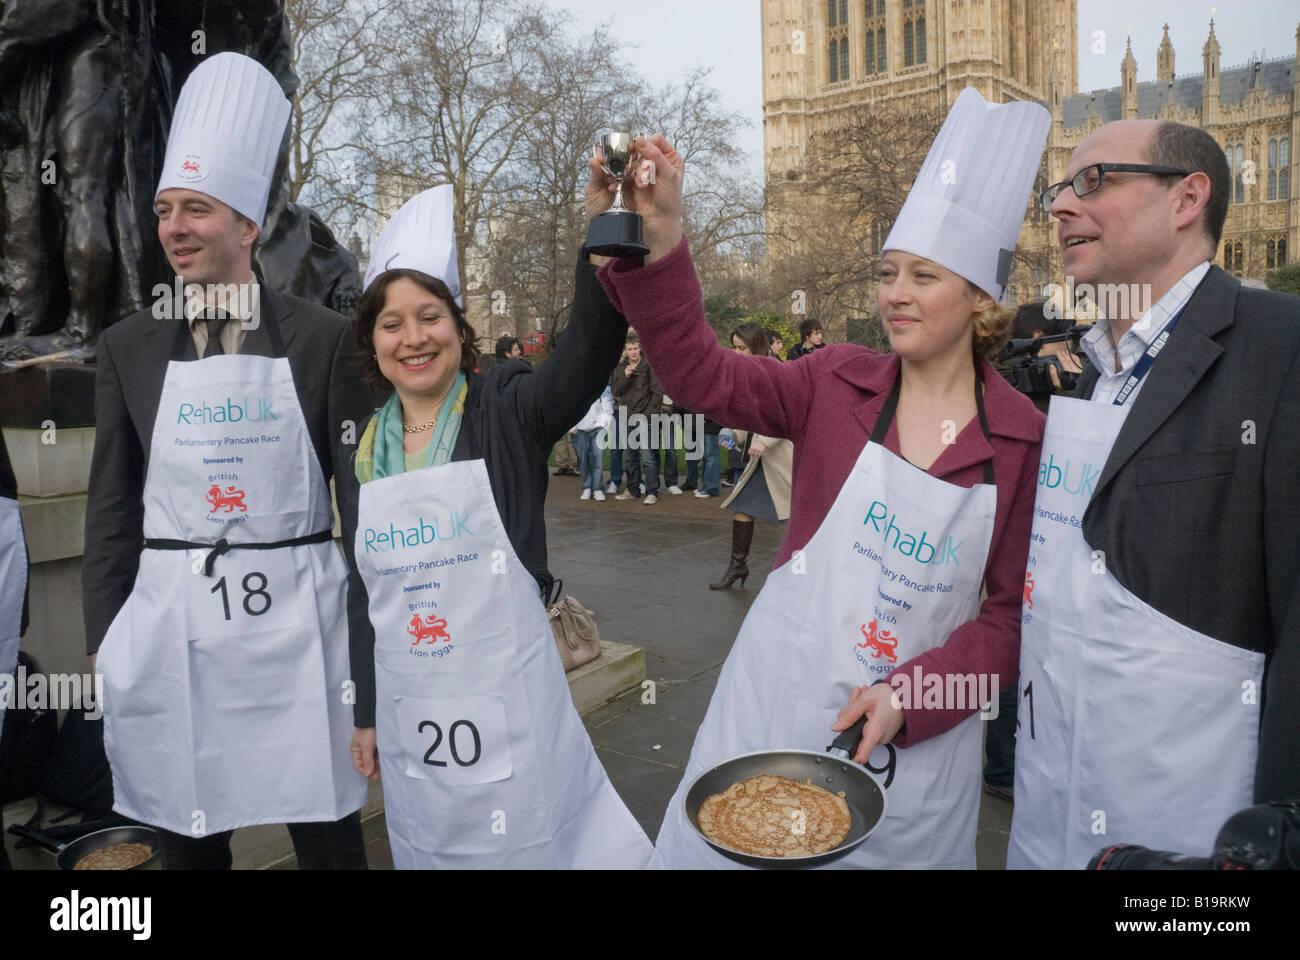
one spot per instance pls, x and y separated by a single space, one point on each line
132 360
1198 507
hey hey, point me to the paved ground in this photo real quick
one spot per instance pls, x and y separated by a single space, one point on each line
645 571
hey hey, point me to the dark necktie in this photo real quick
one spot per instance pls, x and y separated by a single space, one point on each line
216 323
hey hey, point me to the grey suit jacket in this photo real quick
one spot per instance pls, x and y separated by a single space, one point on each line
132 360
1198 507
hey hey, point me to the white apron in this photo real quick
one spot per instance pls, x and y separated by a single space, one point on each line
1131 726
13 586
484 758
227 691
862 596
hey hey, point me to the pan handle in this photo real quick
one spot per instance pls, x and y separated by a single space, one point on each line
847 741
37 837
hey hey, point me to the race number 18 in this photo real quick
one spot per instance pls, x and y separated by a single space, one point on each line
241 600
256 598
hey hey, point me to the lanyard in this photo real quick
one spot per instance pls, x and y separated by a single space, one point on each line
1145 361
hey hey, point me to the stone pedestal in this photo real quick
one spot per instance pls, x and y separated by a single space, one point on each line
50 461
63 393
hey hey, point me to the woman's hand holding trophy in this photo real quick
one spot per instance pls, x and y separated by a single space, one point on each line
633 198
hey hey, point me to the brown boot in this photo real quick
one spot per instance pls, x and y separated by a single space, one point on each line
742 535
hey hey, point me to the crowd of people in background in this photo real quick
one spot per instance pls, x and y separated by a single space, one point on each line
660 461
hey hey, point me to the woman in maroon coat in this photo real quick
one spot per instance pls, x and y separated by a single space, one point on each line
946 412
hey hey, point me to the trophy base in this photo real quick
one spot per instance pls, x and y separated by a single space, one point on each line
616 234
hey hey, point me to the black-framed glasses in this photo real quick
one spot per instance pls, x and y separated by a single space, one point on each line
1090 179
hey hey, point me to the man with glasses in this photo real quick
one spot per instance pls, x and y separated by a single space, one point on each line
1159 686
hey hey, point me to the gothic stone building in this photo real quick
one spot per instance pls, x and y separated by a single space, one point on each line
821 57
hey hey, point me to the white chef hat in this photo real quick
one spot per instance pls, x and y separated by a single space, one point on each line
965 208
420 236
226 133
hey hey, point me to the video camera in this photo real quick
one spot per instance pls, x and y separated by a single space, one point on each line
1033 376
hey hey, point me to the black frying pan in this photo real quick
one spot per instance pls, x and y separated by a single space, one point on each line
832 770
67 854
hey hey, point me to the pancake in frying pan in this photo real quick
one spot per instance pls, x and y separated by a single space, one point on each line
770 816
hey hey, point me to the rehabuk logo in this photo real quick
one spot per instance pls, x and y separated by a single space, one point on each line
230 410
1074 478
451 527
932 551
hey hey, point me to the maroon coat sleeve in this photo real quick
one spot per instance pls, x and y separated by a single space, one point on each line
663 303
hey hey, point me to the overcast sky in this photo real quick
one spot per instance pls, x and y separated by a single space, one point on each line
674 35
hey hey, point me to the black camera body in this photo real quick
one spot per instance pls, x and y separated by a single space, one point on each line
1262 837
1033 377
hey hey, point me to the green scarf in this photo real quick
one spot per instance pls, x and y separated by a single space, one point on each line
380 454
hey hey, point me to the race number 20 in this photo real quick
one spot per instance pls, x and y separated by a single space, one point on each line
458 741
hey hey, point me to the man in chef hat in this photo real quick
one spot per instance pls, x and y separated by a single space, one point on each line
225 667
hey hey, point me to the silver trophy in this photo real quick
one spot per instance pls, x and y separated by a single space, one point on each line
617 231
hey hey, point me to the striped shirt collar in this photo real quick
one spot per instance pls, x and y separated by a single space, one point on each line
1096 342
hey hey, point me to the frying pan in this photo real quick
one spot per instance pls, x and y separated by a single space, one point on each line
832 770
67 854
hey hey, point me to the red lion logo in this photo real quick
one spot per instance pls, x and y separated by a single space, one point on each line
230 499
1029 590
190 166
432 628
881 643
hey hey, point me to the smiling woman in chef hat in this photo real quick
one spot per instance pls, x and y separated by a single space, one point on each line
914 477
461 696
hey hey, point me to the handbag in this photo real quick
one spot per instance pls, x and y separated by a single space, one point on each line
574 626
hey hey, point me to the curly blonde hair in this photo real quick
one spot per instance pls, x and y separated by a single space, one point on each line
992 326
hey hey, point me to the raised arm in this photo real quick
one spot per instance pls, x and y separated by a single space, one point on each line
663 302
559 393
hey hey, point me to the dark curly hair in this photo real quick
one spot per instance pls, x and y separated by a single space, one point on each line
372 302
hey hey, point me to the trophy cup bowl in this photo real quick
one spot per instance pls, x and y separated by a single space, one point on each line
617 231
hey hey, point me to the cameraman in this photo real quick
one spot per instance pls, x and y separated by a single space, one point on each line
1054 368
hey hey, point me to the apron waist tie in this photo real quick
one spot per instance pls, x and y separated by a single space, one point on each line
223 545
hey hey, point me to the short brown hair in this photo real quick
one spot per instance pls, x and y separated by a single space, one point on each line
372 303
1194 150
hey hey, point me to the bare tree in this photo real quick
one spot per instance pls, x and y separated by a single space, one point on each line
722 205
495 98
827 226
466 81
337 52
540 224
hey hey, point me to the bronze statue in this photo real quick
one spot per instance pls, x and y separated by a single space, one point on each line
86 94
